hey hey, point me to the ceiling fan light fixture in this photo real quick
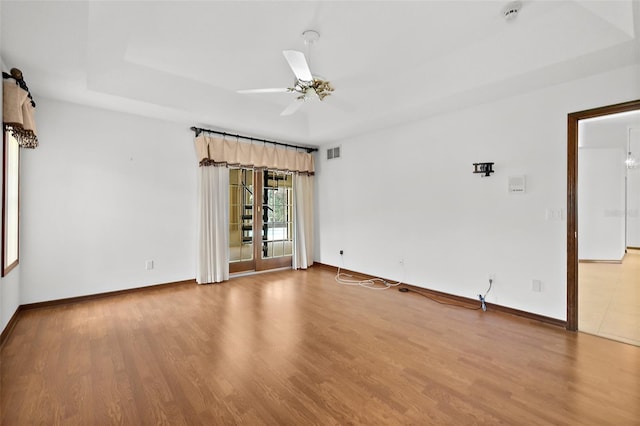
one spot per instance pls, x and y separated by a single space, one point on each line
306 86
322 88
298 87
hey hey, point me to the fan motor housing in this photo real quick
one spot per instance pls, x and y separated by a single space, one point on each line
310 36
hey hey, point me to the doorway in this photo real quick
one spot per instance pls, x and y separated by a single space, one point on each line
572 200
260 219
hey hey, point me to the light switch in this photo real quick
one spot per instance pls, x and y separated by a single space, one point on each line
554 214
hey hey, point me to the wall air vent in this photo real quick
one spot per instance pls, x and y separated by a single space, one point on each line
333 153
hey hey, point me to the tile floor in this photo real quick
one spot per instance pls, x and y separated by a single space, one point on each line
609 299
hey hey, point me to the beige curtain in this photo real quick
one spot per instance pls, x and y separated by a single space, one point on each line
213 155
214 150
18 114
302 221
213 225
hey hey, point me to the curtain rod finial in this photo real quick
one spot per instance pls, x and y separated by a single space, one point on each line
16 73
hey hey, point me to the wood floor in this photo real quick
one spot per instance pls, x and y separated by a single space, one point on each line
609 298
295 348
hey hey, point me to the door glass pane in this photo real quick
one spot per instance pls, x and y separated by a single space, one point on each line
277 214
240 215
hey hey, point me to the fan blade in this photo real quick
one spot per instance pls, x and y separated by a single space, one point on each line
292 107
298 64
273 90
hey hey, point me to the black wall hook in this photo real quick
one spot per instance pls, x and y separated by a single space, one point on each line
486 168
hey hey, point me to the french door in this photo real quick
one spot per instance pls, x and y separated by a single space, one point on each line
260 220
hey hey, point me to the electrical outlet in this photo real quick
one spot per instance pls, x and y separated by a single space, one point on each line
401 262
491 276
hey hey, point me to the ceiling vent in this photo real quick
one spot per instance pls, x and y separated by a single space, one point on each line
511 10
333 153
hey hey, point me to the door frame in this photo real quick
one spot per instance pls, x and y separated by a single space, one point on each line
572 199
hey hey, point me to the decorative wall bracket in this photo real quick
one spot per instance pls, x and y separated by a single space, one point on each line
485 168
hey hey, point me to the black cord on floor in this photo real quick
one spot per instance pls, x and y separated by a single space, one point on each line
406 289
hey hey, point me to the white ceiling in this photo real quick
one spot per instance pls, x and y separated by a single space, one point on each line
390 61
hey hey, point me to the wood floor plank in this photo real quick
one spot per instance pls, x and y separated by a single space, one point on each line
609 298
294 347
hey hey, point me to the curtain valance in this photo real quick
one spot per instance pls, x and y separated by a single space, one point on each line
18 113
214 150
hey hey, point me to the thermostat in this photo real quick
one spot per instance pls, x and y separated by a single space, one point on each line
516 184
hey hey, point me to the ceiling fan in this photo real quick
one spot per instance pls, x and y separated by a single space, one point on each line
307 86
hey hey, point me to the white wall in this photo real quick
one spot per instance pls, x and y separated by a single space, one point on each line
408 193
601 203
603 133
9 285
602 210
104 193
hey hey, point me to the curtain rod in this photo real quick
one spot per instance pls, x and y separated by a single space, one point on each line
199 130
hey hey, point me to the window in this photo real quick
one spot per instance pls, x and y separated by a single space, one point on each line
277 216
10 203
240 215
